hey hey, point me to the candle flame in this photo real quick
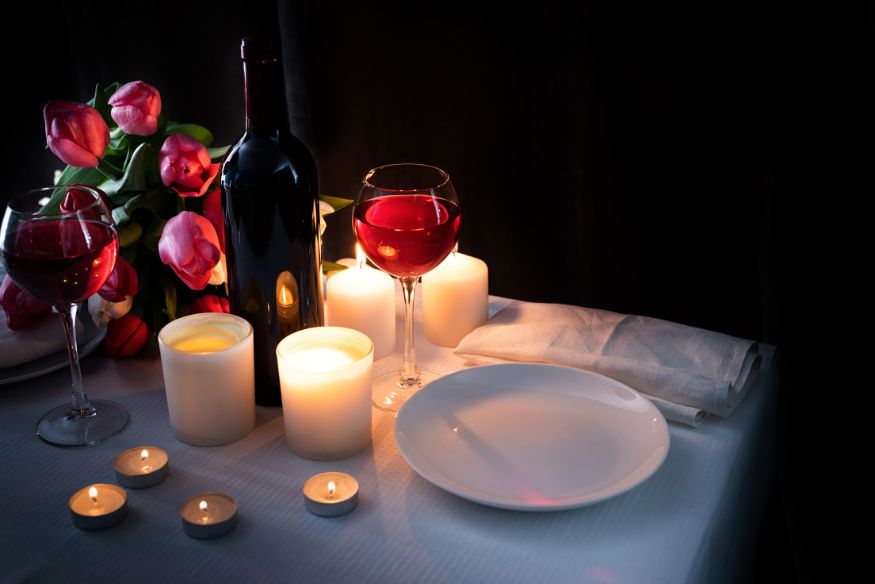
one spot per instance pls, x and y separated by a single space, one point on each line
144 454
332 486
92 492
360 257
203 506
455 249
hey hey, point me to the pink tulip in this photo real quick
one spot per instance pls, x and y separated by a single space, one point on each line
213 212
122 282
78 199
210 303
126 336
186 166
75 133
22 309
190 246
136 107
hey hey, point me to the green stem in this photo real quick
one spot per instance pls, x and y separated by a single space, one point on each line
109 170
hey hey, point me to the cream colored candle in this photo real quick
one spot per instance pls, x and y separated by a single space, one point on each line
325 377
209 377
363 299
455 299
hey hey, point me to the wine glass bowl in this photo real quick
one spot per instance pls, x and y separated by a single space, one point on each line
406 219
60 245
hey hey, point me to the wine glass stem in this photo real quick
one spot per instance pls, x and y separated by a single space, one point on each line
409 372
80 400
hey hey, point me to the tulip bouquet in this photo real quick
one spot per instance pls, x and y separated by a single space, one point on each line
160 180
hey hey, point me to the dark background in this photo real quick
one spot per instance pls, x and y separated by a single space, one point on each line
643 160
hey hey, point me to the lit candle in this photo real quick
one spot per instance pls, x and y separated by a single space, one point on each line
330 494
209 377
455 299
141 467
209 515
325 378
363 299
98 506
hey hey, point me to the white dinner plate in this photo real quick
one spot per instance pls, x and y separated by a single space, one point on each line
531 437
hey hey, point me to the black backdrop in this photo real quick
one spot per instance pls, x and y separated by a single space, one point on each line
633 159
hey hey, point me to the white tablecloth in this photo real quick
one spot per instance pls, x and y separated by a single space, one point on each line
691 522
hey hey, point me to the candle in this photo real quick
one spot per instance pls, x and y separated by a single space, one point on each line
98 506
209 515
455 299
209 377
141 467
330 494
287 303
363 299
325 378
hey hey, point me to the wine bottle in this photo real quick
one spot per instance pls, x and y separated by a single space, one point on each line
271 212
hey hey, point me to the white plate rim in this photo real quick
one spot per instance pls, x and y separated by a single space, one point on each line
409 455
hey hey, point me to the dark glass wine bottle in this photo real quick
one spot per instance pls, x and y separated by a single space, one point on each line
271 206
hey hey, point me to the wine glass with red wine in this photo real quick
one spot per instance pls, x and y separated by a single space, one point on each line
62 254
406 219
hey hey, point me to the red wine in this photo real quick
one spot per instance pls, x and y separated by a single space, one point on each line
407 235
271 210
61 262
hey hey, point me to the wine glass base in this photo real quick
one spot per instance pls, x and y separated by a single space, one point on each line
63 426
389 393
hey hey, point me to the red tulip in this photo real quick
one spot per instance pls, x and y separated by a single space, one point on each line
190 246
213 212
186 166
78 199
210 303
126 336
136 107
22 310
75 133
122 282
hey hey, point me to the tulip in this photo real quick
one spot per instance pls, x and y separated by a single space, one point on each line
22 310
75 133
213 212
219 273
122 282
126 336
210 303
185 166
78 199
103 311
136 107
190 246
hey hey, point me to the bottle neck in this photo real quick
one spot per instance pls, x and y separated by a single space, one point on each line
265 95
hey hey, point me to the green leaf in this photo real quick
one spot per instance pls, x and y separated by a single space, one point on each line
331 267
100 102
336 203
199 133
119 215
152 234
134 178
130 234
155 201
216 154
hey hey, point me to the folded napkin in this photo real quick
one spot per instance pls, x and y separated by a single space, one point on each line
39 340
687 372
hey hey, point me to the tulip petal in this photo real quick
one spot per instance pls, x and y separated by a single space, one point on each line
190 246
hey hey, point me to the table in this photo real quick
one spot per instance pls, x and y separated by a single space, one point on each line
691 522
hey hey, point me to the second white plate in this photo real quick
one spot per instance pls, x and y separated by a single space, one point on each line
531 437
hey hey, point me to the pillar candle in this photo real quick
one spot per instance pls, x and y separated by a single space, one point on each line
455 299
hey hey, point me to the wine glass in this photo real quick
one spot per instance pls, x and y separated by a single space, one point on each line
406 219
60 245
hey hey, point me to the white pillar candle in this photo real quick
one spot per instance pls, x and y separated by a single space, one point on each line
325 378
455 299
209 377
363 299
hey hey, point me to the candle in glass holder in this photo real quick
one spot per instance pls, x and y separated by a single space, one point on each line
209 377
141 467
98 506
325 378
455 299
363 299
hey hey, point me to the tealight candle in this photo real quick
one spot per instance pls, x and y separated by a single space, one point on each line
455 299
325 379
98 506
363 299
208 515
209 377
141 467
330 494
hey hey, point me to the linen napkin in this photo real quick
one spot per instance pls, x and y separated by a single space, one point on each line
687 372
